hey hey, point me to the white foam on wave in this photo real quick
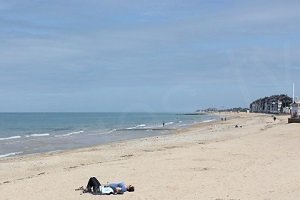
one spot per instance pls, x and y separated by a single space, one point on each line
141 125
209 120
111 131
136 127
103 132
68 134
11 138
10 154
169 123
38 135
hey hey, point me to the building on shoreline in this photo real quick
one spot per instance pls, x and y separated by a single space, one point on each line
295 112
295 109
275 104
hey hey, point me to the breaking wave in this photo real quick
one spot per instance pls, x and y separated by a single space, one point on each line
10 154
68 134
11 138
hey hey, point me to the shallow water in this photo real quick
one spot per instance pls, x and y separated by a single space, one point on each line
27 133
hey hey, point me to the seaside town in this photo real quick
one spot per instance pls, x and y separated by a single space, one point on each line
276 104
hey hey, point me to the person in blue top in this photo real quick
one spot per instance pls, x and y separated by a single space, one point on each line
121 187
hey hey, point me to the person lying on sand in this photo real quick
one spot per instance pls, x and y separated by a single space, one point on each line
95 187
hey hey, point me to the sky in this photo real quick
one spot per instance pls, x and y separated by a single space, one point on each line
146 55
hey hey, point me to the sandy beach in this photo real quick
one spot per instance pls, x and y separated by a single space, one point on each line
259 159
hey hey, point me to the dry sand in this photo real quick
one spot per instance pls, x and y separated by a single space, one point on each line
260 160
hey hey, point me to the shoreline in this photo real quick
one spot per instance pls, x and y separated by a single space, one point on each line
86 132
215 156
201 126
167 131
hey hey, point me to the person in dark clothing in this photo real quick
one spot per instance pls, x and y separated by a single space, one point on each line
93 185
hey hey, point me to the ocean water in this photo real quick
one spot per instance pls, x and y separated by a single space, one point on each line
29 133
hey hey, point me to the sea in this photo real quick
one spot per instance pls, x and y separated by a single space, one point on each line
31 133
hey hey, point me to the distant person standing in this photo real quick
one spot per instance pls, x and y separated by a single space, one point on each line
274 118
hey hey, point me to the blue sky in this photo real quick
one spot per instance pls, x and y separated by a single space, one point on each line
146 55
